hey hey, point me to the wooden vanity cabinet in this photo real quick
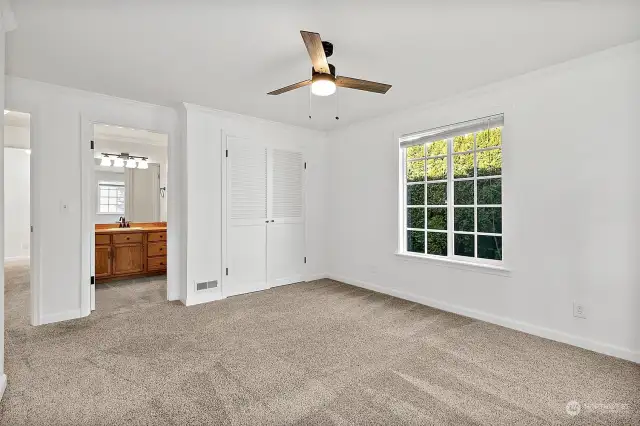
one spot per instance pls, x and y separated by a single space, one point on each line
121 254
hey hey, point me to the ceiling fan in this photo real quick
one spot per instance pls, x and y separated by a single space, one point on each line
323 74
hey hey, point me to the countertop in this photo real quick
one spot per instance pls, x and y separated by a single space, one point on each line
131 230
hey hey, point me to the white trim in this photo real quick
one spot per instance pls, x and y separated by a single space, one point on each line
61 316
315 277
547 333
452 130
458 264
3 384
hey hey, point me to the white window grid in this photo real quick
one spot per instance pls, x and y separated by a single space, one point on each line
450 206
111 198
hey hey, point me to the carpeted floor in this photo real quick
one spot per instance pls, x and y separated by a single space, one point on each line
317 353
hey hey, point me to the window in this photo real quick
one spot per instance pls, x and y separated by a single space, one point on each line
111 197
452 197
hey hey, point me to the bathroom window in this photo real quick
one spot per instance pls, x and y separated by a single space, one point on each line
111 198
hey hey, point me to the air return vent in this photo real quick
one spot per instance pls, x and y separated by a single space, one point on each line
206 285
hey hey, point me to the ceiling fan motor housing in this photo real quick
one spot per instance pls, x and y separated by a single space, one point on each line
328 48
332 70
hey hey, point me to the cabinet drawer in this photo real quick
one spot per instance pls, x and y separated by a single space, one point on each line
157 263
157 236
127 238
157 249
103 239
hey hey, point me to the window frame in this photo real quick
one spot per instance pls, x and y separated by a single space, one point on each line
451 257
109 184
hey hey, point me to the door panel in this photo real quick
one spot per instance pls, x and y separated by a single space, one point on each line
246 217
128 259
285 234
246 260
285 253
103 261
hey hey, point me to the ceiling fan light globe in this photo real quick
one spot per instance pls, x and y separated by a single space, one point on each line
323 85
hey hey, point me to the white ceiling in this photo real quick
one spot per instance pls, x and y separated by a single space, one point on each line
229 54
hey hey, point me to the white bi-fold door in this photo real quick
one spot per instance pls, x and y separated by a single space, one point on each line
265 245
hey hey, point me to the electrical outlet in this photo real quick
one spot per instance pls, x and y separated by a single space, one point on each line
579 311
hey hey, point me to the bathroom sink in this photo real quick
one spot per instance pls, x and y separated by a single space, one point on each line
126 229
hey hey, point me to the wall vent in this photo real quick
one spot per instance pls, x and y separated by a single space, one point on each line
206 285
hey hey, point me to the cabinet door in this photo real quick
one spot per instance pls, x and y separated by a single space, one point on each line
128 259
103 261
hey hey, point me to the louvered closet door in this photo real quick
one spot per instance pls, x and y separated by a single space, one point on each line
246 217
285 233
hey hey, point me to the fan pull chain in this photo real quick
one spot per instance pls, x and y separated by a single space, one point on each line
337 105
309 102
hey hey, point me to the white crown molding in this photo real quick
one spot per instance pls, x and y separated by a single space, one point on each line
7 18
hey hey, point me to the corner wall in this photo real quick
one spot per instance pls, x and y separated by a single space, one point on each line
570 194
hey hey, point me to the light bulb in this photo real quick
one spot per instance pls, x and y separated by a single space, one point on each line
323 84
131 163
106 161
142 164
118 162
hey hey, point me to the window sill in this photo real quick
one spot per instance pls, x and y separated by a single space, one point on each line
459 264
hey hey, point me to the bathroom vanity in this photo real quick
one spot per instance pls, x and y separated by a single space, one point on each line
124 253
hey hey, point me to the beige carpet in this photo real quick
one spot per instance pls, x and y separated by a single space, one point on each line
310 354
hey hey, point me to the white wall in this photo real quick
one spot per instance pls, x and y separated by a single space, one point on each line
58 118
115 175
571 199
17 188
204 129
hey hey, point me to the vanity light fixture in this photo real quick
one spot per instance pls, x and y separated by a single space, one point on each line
124 160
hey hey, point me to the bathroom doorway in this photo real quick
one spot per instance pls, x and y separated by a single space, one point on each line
129 256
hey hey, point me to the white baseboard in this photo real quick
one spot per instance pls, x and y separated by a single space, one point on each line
535 330
61 316
3 384
315 277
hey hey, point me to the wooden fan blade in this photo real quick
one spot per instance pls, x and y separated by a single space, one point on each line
367 86
291 87
316 51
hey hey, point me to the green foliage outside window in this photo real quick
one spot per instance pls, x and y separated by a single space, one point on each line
424 168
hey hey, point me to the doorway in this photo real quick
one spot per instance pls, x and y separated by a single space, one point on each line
129 200
19 305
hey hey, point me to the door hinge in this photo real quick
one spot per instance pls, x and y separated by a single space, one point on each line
93 279
92 145
227 271
305 259
305 165
31 228
226 153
